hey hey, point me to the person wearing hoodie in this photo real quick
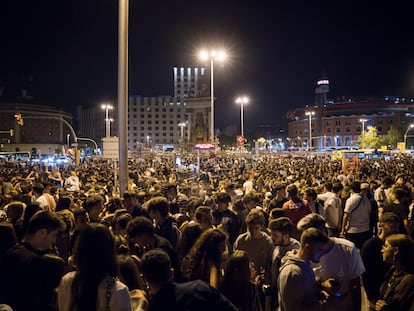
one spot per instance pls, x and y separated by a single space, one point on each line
297 288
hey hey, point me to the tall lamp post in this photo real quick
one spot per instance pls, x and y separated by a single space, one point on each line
242 101
406 132
363 132
181 125
301 143
107 107
310 114
212 55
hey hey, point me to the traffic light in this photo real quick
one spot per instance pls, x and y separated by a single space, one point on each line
19 119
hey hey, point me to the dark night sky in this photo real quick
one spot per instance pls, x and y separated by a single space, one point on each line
278 50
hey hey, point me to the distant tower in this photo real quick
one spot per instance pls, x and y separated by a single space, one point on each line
190 82
321 100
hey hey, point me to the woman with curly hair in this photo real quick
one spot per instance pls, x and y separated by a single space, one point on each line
204 261
94 285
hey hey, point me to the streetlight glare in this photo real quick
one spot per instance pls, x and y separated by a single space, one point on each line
203 54
106 106
242 100
219 55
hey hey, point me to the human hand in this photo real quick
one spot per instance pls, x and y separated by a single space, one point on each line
332 286
380 305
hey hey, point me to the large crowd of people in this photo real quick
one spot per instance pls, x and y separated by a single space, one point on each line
266 232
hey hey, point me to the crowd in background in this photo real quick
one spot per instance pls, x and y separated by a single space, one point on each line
238 228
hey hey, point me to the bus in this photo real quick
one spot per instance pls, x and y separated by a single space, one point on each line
16 155
338 155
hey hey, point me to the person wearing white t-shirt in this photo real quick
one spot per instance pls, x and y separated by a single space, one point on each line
339 269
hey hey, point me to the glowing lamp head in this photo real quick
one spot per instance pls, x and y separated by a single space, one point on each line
203 55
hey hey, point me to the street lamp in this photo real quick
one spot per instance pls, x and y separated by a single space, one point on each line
242 101
363 131
107 107
310 114
181 125
301 143
148 141
213 55
406 132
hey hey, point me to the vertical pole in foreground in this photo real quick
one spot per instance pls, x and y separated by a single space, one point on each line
212 101
123 93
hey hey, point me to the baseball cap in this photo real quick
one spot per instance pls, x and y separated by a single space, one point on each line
365 185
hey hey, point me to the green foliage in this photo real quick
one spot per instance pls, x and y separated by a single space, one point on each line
393 136
369 138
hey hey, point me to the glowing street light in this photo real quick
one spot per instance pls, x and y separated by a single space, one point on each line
212 55
107 107
310 114
242 101
406 132
148 141
182 125
363 131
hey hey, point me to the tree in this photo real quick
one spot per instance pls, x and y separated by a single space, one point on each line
369 138
393 136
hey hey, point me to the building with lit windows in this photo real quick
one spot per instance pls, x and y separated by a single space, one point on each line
191 82
161 122
153 122
39 125
339 123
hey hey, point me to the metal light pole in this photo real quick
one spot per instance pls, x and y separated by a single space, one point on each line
363 131
406 132
310 114
212 55
123 11
301 143
181 125
107 107
242 101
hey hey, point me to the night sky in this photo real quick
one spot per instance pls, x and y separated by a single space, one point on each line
278 50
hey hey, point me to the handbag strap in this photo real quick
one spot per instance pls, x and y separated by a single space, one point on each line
108 294
359 203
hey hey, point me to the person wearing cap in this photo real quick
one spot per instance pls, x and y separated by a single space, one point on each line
357 216
376 268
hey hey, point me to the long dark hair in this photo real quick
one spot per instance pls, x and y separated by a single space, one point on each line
94 258
205 251
235 283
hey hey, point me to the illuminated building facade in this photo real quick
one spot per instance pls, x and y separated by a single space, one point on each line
39 124
338 123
